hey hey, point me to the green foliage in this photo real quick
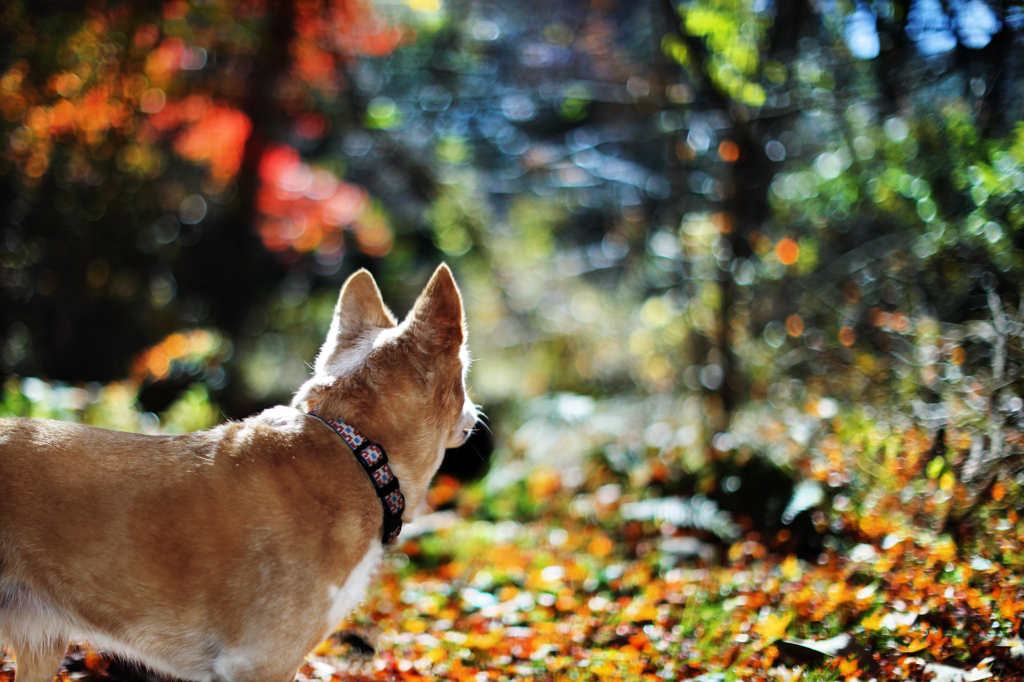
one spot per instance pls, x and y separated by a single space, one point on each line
113 406
734 33
458 216
534 222
382 112
576 103
193 411
452 150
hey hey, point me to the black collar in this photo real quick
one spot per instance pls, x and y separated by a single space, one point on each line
375 462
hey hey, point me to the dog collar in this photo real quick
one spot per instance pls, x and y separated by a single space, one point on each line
375 463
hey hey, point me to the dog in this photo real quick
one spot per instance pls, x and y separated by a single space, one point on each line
228 554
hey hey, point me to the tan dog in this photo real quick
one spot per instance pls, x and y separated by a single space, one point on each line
229 554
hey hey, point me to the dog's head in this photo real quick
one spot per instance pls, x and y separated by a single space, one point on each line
402 385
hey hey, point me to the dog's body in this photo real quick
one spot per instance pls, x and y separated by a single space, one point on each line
228 554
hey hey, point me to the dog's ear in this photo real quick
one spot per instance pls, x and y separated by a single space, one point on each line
437 321
360 307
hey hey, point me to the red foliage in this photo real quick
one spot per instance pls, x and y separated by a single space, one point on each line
216 138
150 100
305 208
327 33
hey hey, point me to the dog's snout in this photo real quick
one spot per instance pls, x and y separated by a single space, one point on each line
469 414
468 420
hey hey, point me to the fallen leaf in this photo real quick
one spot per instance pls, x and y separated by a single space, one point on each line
773 627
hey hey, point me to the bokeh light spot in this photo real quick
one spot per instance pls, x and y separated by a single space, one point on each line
787 251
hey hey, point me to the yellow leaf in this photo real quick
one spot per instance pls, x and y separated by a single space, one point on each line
326 648
947 481
915 645
484 641
773 627
945 550
790 567
872 622
641 612
414 625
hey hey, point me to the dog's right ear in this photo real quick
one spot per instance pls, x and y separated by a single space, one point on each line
437 322
360 307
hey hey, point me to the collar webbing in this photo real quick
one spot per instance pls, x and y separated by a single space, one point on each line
375 463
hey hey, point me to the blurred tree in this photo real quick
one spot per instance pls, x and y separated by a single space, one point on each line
164 167
763 205
885 136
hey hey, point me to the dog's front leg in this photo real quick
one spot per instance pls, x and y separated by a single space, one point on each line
253 666
37 661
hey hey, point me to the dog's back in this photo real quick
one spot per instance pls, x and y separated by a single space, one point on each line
168 549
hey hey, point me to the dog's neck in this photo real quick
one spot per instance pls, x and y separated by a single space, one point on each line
374 461
414 453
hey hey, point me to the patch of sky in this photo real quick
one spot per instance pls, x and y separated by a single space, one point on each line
861 34
930 28
976 23
973 24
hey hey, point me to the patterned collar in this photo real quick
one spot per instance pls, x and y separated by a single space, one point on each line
375 462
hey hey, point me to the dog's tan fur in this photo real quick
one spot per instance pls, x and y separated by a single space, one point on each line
228 554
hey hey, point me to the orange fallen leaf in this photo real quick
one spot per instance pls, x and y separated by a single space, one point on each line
93 660
849 668
600 546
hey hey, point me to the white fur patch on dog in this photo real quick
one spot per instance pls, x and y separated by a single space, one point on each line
283 417
347 597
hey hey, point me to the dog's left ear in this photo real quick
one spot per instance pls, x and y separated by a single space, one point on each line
438 320
360 307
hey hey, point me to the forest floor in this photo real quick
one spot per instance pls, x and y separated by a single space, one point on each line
551 579
574 600
560 597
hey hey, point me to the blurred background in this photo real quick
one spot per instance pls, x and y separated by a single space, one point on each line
701 243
